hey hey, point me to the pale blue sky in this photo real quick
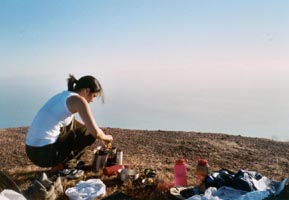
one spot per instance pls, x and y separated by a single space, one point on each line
228 55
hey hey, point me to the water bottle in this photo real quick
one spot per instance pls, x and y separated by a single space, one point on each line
202 170
180 173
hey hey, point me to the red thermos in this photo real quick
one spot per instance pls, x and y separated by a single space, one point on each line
112 170
180 173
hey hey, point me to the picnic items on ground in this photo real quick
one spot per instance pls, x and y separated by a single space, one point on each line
225 184
104 156
108 162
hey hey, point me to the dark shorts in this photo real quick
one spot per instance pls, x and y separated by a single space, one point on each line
70 144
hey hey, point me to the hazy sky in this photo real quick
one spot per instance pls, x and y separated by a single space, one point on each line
218 50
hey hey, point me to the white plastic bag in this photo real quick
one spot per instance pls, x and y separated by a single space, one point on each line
11 195
86 190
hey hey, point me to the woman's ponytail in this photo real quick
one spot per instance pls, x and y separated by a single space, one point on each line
70 83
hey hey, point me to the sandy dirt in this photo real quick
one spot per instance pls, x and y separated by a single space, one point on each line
158 150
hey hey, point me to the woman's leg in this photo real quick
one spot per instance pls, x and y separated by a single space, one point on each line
74 138
46 156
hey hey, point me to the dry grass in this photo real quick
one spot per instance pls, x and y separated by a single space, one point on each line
157 150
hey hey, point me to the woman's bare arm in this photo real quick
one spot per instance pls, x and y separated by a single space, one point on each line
77 104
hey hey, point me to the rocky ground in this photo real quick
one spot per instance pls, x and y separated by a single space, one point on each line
158 150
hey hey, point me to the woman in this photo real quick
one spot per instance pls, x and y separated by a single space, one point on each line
55 138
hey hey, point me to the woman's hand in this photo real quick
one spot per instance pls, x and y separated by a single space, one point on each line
107 139
107 143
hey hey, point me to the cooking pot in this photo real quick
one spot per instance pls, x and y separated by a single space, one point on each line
128 174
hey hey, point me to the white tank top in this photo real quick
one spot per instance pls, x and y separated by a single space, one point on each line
45 127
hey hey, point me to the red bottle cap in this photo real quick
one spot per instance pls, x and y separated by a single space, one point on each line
203 162
180 162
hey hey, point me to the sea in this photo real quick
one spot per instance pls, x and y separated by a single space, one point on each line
245 112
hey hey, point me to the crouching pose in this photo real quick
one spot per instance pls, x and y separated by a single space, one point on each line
55 138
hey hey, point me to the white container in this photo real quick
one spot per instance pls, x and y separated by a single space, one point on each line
119 157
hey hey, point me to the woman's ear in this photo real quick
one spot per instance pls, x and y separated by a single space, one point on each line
87 91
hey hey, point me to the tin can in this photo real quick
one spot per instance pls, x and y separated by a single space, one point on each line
99 159
119 157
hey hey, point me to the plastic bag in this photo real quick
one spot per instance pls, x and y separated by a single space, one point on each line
87 190
11 195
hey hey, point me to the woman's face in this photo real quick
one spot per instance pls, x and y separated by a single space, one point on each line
90 96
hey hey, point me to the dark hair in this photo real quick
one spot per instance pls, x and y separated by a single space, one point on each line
85 82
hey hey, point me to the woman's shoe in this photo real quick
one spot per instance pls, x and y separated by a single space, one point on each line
37 191
54 180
